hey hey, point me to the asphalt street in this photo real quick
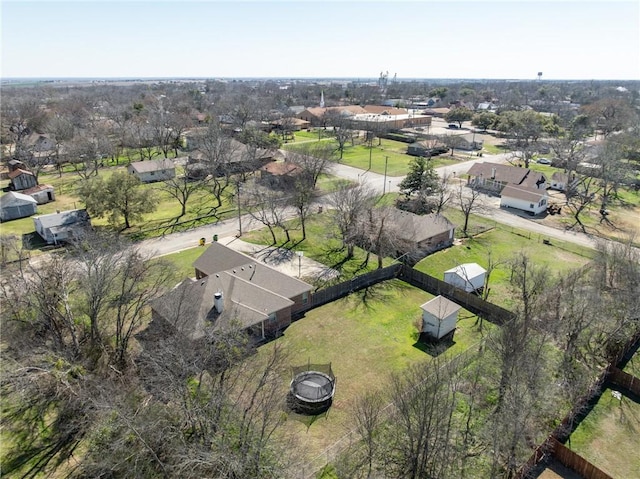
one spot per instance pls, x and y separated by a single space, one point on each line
175 242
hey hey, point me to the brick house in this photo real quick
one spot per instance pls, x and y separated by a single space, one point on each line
423 234
231 290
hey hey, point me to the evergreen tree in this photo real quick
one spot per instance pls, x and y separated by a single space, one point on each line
421 179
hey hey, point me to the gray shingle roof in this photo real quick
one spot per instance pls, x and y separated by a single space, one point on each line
190 306
523 193
507 174
440 307
418 228
64 218
218 258
152 165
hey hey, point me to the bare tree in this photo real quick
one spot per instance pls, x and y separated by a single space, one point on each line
350 203
269 208
368 418
182 188
218 151
420 440
581 197
314 159
469 202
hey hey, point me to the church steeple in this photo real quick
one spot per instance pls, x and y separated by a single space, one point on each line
321 98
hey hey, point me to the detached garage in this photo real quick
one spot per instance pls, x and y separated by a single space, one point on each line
467 276
439 317
16 205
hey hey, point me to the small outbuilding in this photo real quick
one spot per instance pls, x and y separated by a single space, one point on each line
41 193
439 317
468 276
16 205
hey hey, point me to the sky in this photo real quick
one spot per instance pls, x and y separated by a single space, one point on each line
508 39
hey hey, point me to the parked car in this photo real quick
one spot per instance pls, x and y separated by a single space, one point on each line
544 161
453 126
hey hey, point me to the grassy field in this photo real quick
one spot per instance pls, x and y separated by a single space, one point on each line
633 366
366 337
609 437
391 152
504 244
320 245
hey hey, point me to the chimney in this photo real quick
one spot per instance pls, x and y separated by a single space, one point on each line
493 173
218 302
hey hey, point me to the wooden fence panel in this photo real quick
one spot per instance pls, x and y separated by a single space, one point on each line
625 380
469 301
576 462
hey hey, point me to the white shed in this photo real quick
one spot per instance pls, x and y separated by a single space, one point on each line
467 276
439 317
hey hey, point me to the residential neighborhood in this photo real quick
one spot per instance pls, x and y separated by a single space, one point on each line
255 252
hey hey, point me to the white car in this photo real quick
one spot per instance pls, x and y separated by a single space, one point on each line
543 161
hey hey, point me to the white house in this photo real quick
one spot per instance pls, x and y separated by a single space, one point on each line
560 181
439 317
60 227
531 200
153 170
16 205
467 276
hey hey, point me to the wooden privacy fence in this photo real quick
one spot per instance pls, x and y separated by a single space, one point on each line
340 290
611 374
625 380
575 462
469 301
435 286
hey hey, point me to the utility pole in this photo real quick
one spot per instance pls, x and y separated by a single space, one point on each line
300 255
239 211
384 184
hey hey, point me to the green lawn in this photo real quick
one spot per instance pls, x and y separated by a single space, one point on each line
633 366
366 337
609 437
504 244
320 245
391 152
200 204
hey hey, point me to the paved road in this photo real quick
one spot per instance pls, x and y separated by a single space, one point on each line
174 242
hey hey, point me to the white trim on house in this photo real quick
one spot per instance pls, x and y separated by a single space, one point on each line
526 199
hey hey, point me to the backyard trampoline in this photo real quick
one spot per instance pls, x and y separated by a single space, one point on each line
312 388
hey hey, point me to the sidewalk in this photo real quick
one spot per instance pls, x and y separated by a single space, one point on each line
284 260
